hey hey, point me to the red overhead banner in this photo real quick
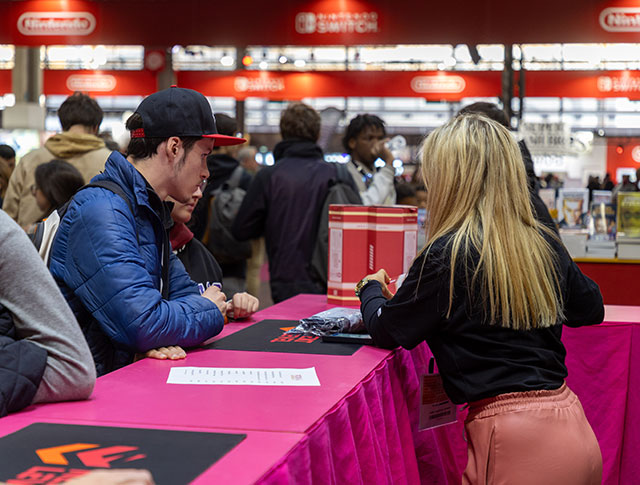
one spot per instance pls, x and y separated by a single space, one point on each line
99 83
297 85
164 23
583 84
5 82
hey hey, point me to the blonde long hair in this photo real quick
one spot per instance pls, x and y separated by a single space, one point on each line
477 192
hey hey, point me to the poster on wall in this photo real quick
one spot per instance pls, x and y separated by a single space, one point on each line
572 205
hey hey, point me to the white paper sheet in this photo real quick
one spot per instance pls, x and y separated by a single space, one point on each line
234 376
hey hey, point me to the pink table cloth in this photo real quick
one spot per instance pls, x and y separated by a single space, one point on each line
361 424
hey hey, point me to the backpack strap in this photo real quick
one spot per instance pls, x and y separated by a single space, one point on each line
236 176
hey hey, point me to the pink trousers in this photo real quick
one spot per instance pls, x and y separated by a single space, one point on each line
531 438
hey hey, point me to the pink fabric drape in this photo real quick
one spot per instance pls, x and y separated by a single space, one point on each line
372 437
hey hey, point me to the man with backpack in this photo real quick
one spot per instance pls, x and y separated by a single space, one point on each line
112 258
284 201
214 214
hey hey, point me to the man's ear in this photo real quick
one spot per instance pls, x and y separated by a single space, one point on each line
352 143
172 148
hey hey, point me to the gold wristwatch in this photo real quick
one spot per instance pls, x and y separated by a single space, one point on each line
360 284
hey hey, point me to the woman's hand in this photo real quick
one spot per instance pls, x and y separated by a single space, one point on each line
242 305
381 277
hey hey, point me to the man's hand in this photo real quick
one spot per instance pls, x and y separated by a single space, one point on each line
214 294
380 150
242 305
173 352
383 278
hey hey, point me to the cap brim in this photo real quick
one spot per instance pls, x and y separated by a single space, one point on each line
224 140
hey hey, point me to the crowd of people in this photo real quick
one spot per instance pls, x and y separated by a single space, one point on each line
138 271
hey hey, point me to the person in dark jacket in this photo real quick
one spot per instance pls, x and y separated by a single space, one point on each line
490 294
200 263
43 355
112 258
492 111
283 203
222 164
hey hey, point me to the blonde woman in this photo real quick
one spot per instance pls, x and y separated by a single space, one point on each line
489 293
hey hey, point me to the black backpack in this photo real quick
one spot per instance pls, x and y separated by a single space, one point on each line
342 190
223 208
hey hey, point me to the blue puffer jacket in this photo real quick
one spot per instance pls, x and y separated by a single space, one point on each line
111 277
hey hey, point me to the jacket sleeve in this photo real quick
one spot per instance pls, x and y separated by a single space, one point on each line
583 304
250 220
180 283
97 255
411 315
42 317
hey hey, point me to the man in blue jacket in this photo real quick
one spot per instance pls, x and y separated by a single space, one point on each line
111 257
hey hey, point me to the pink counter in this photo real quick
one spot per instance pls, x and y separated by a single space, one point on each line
360 425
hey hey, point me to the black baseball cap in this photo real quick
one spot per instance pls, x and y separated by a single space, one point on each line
179 112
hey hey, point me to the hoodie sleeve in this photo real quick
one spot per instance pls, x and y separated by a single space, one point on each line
41 316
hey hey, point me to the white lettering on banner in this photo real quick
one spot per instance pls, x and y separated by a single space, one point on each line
91 82
438 84
620 19
260 84
547 138
621 84
56 23
337 23
335 252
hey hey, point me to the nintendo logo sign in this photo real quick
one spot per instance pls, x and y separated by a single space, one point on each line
102 83
56 23
261 84
620 19
438 84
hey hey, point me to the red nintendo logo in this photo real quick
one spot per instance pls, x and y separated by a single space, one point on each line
91 82
56 23
438 84
620 19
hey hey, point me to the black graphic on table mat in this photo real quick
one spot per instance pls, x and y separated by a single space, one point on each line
269 336
51 453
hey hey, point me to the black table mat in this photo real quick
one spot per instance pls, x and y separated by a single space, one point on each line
269 336
47 451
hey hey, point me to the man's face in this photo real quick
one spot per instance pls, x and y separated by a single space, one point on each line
11 162
191 170
362 146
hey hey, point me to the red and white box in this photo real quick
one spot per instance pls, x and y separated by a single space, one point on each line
365 239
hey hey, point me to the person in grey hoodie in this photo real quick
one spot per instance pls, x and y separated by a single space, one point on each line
43 354
80 117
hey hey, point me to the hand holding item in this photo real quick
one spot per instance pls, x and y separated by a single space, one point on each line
381 277
214 294
242 305
114 477
172 352
381 150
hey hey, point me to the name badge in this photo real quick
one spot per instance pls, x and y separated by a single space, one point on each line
436 409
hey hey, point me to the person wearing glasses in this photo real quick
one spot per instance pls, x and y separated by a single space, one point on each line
202 266
112 257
